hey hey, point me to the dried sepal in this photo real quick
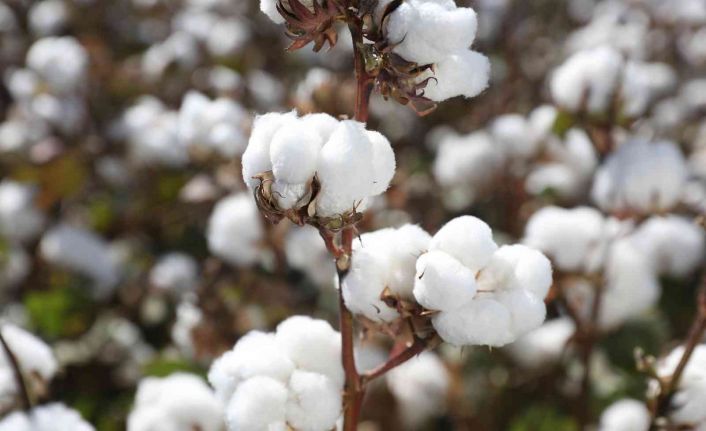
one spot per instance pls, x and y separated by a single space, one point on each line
306 25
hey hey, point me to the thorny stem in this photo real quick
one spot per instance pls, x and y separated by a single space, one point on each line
696 334
19 378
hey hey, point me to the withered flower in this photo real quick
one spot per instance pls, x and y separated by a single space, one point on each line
311 22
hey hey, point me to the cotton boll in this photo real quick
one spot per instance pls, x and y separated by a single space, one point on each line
674 245
20 219
642 83
383 162
573 238
543 345
255 354
212 125
427 32
465 73
641 177
235 230
188 317
14 267
256 158
321 123
687 403
34 356
48 17
306 252
60 61
179 402
517 267
527 310
57 416
625 415
84 252
420 387
442 282
313 345
483 322
365 282
177 272
259 404
407 244
345 170
269 8
591 73
314 402
515 135
468 239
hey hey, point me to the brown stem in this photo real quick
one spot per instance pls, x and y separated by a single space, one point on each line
418 346
696 334
364 87
19 378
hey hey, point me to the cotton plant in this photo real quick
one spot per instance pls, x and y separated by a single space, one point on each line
179 402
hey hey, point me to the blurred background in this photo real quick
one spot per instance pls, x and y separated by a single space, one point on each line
121 127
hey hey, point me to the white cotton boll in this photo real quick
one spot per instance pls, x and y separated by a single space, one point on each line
345 170
314 402
235 230
515 135
321 123
631 285
259 404
188 317
527 310
84 252
442 282
517 267
573 238
20 219
483 322
181 49
33 355
558 178
625 415
177 272
591 73
255 354
468 239
179 402
306 252
543 345
215 125
675 245
365 282
313 345
17 421
48 17
689 403
465 73
269 8
256 158
642 83
228 37
383 162
420 387
408 242
541 120
294 152
60 61
642 177
428 31
57 416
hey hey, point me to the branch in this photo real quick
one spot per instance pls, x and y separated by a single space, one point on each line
418 346
19 378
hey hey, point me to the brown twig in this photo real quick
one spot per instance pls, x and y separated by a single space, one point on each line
19 378
418 346
696 334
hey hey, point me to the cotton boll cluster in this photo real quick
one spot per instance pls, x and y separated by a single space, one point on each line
383 267
212 125
484 295
180 50
82 251
687 403
625 415
220 29
35 359
48 417
20 219
175 272
235 231
439 33
290 378
575 239
152 133
178 402
641 177
350 163
306 252
599 80
544 345
420 387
